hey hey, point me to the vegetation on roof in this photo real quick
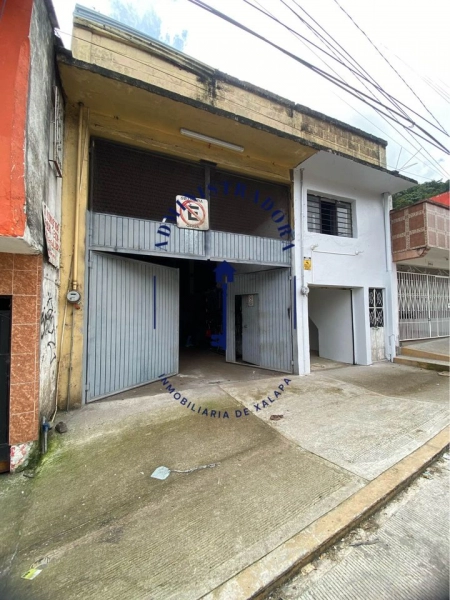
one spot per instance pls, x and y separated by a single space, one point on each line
423 191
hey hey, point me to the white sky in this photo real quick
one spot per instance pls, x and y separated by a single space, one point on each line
412 35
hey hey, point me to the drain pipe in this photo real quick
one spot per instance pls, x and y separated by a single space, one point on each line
46 426
391 284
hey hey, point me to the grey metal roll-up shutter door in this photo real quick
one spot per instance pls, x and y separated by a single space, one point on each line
132 324
275 316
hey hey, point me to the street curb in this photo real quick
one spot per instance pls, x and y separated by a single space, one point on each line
259 579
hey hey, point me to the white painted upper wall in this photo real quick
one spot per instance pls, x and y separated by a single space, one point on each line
359 261
343 261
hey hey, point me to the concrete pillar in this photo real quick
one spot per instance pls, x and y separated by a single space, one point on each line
301 291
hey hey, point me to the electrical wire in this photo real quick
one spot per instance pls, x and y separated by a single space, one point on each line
348 88
344 54
303 40
199 88
270 15
392 67
340 48
407 131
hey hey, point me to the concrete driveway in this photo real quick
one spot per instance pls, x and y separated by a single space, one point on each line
101 528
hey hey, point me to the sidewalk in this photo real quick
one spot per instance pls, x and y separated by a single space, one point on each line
400 553
347 439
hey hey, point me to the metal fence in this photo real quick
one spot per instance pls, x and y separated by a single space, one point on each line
424 306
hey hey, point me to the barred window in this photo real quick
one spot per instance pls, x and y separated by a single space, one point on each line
331 217
376 312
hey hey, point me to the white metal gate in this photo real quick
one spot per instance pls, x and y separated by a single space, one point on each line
132 324
424 306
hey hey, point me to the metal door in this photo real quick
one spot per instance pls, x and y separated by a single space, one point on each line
273 289
133 324
424 306
250 329
5 361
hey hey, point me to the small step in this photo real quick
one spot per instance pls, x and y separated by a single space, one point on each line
423 363
411 351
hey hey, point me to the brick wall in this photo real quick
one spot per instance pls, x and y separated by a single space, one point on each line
408 228
21 278
420 225
438 225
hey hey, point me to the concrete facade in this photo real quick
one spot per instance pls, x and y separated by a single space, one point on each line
125 88
29 283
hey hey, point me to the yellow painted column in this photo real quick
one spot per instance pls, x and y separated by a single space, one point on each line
71 323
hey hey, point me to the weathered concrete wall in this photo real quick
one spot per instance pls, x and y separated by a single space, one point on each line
42 76
43 186
181 75
47 332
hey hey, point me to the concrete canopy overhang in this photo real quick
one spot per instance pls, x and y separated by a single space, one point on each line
135 113
355 173
426 257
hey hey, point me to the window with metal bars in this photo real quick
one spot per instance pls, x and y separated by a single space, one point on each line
376 309
331 217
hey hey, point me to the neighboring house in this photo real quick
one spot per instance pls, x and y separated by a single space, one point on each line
145 124
421 249
30 177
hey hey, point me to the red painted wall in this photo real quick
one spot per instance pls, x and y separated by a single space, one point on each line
442 199
14 71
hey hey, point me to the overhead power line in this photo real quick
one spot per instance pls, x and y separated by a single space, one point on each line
391 114
305 42
392 67
345 54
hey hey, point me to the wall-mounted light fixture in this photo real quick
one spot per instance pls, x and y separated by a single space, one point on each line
210 140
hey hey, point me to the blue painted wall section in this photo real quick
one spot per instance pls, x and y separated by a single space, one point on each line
224 276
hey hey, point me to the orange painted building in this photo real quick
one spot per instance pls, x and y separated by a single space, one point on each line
14 69
28 181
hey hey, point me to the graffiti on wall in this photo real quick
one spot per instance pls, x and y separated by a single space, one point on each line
48 329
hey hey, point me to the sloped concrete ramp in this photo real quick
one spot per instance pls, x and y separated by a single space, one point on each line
105 530
109 531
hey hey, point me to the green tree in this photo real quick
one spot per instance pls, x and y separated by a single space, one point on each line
148 23
419 192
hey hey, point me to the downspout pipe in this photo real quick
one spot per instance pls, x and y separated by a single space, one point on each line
391 310
302 293
77 198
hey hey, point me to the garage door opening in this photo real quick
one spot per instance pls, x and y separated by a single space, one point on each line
155 316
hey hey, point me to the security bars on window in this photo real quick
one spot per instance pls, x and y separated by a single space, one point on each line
331 217
376 312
